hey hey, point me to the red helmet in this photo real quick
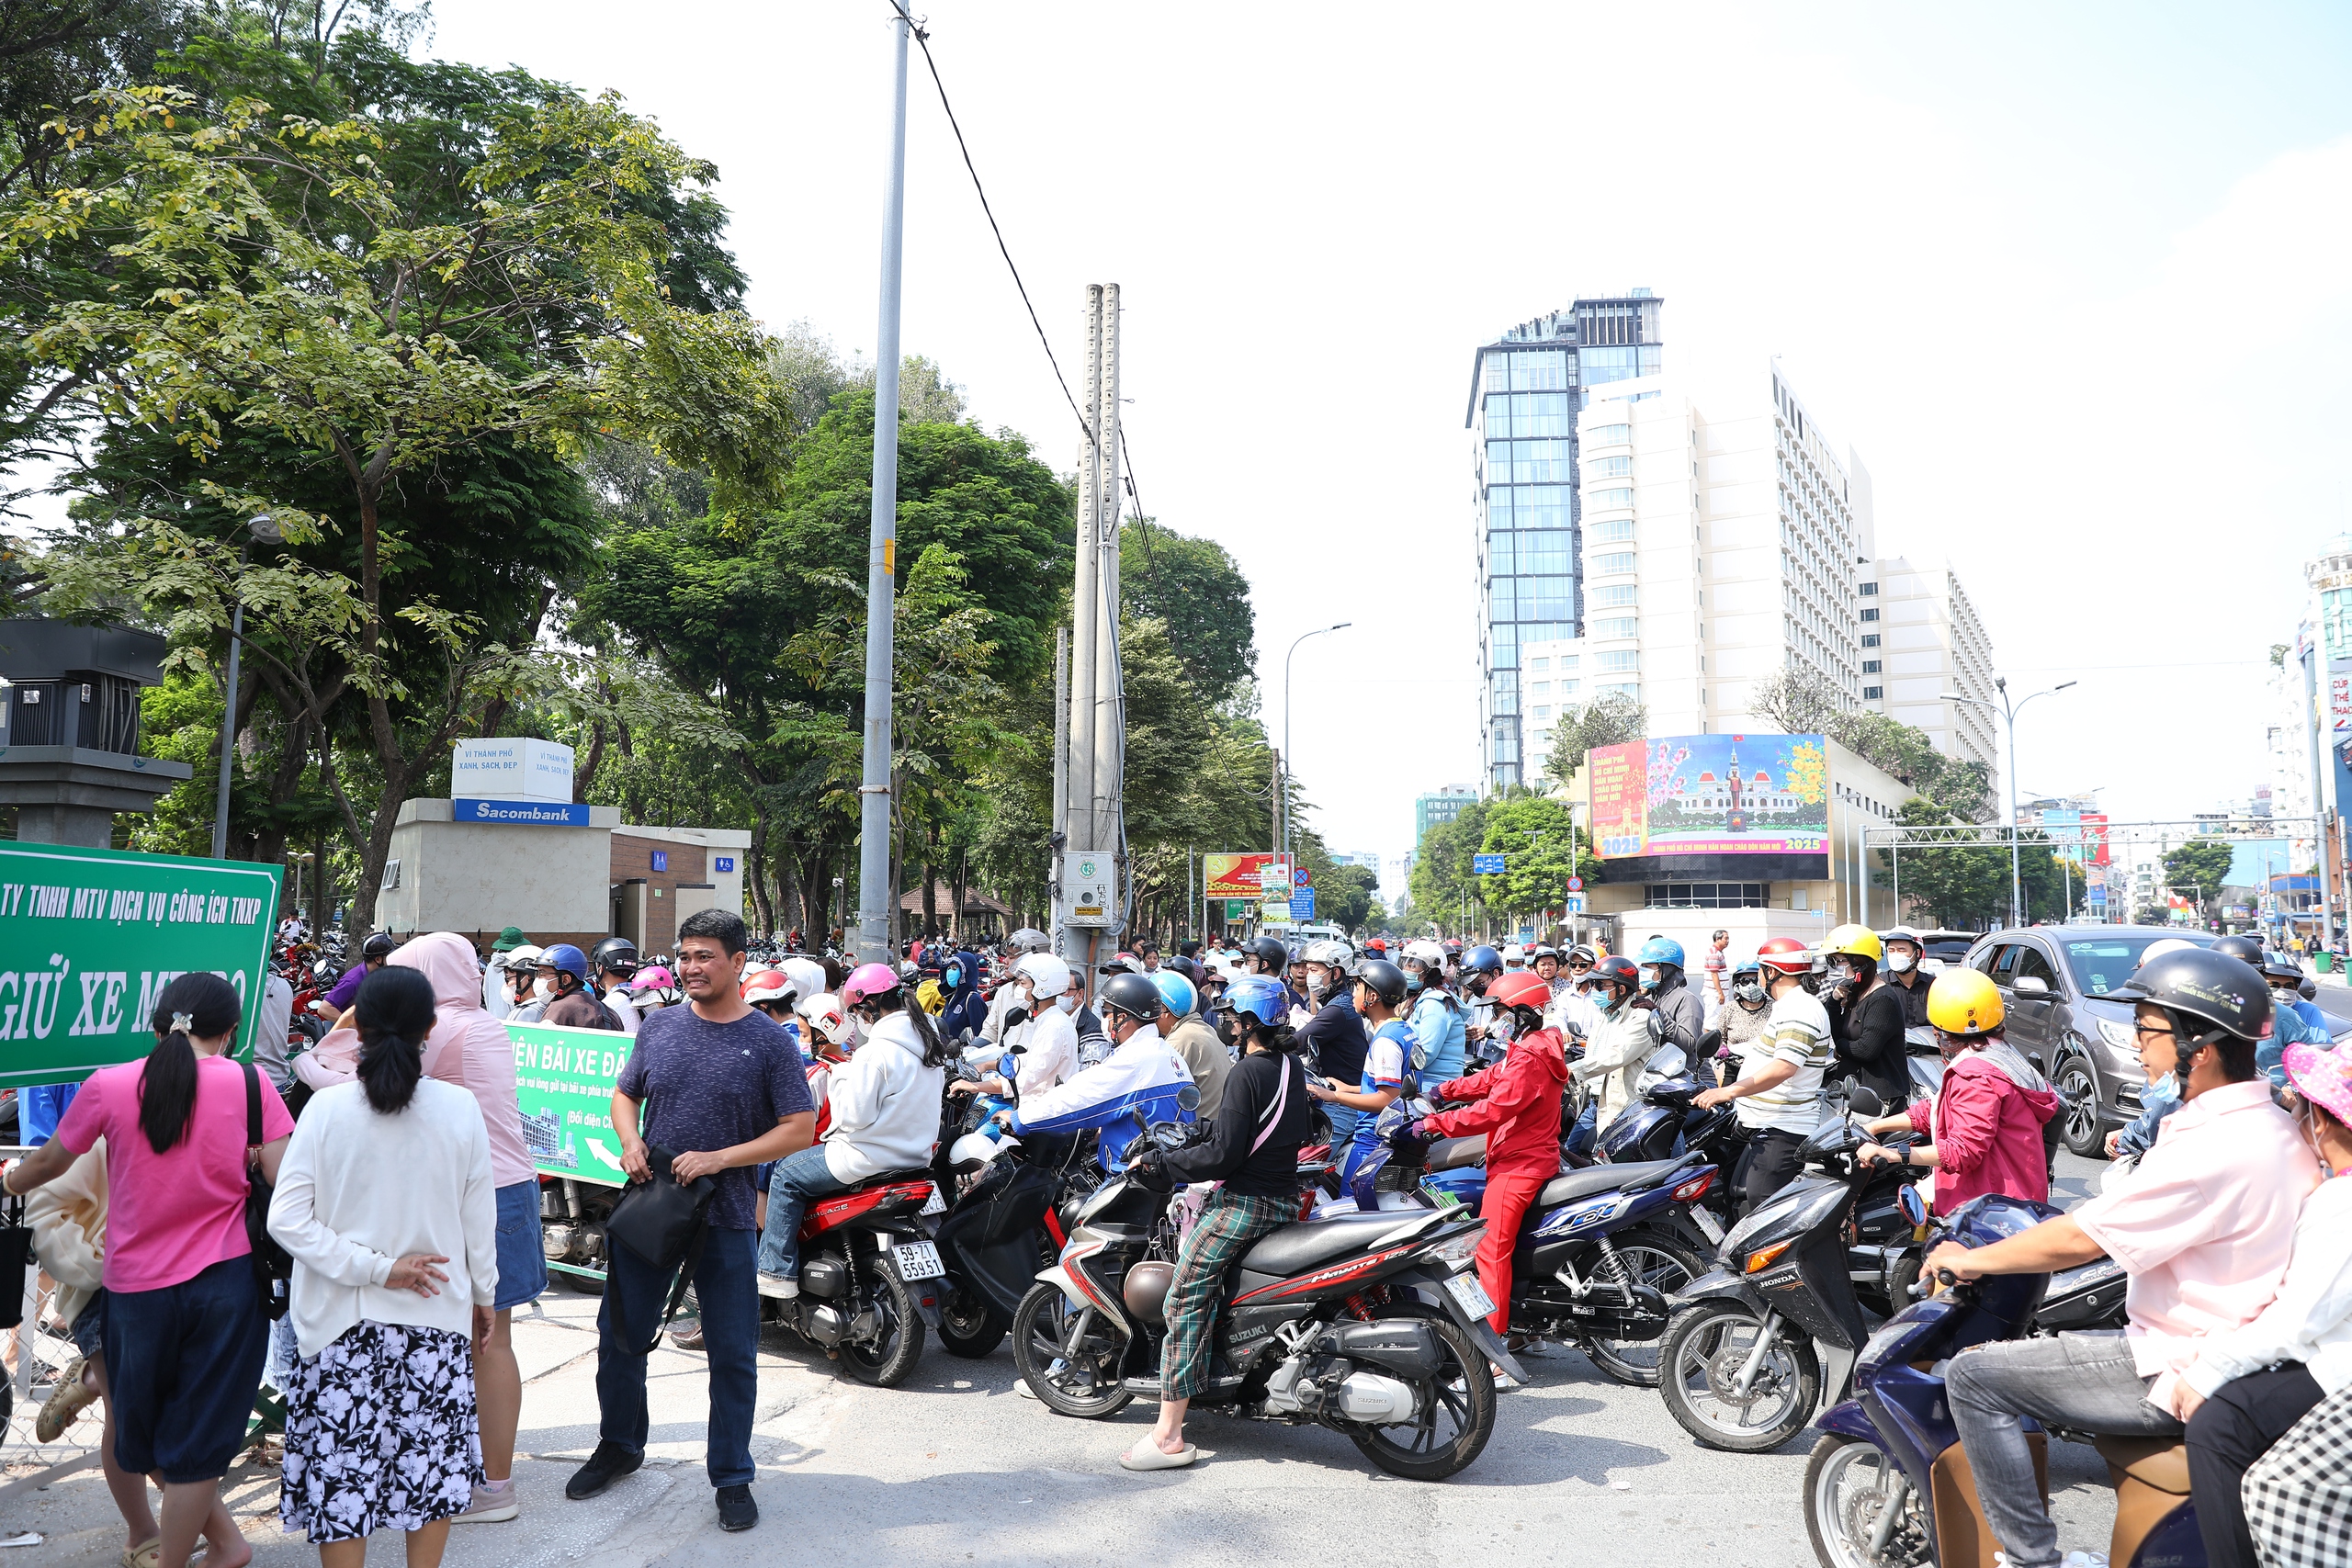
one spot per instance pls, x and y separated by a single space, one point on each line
1618 970
767 985
1785 955
1520 988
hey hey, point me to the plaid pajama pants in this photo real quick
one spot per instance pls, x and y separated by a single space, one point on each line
2299 1496
1229 1224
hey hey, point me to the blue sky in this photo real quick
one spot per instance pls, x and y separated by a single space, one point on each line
2071 278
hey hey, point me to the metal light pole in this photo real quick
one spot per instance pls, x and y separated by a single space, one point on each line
875 894
264 529
1284 796
2001 684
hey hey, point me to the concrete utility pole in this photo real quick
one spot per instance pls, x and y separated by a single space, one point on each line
1110 698
1092 755
877 895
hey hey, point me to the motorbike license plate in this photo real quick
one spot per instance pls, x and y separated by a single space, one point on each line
1470 1295
918 1260
936 1203
1707 1225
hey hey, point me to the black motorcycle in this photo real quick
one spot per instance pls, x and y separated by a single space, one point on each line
1367 1324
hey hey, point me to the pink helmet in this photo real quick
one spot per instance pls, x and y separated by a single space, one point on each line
868 981
653 977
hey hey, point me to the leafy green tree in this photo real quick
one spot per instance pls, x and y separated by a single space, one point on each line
1443 888
1539 842
2198 869
1966 885
1194 588
1609 720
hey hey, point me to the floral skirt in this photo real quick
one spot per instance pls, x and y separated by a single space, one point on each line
382 1433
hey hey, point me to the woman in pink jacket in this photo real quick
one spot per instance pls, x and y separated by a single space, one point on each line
1983 1127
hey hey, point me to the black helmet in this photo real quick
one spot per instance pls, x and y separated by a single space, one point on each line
617 953
1270 953
2224 995
380 944
1384 979
1134 995
2277 965
2244 949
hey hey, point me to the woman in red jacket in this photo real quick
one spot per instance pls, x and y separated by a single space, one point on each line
1985 1124
1516 1103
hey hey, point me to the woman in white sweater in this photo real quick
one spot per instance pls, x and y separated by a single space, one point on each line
387 1201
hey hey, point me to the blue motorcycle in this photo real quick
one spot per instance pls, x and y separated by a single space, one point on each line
1888 1484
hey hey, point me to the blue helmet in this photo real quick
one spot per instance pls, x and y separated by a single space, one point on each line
567 958
1175 991
1482 959
1261 997
1660 949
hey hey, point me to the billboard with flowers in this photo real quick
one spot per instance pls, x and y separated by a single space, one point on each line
1710 795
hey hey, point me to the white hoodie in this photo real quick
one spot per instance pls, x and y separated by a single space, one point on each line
884 1105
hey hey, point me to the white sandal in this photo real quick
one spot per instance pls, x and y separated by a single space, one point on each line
1148 1455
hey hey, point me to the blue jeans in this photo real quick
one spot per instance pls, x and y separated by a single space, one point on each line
1344 1126
795 1179
731 1336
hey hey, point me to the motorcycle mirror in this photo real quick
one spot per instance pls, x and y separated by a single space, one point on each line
1865 1101
1189 1098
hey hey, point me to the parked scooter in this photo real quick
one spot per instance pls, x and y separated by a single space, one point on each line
1665 1118
1888 1485
868 1278
1369 1325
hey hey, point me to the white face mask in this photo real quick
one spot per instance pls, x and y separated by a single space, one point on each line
1900 962
1067 1003
543 988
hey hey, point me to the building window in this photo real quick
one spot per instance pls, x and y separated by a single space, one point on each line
1873 694
1870 667
1705 896
1619 689
1869 588
1567 688
1608 468
1615 532
1567 661
1869 639
1538 664
1607 500
1540 689
1625 626
1618 563
1622 661
1871 612
1618 596
1538 371
1542 711
1609 435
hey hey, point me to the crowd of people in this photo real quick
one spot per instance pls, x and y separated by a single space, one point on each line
205 1236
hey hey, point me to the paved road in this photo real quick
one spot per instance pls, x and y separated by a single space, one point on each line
955 1469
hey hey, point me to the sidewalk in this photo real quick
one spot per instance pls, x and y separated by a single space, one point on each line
639 1519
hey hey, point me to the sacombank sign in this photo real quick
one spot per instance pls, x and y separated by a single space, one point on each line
523 813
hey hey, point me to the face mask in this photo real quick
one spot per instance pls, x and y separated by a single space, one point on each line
1501 1031
543 988
1900 962
1068 1004
1649 976
1414 981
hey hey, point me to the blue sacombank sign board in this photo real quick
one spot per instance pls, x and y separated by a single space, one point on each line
519 813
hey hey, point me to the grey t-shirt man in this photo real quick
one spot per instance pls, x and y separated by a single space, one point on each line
712 1086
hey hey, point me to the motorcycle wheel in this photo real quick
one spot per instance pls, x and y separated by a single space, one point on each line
1463 1399
969 1326
1701 1354
1663 1263
887 1360
1037 1330
1847 1485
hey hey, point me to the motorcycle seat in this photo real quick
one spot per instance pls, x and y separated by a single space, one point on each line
1296 1248
1453 1154
2160 1463
1604 1178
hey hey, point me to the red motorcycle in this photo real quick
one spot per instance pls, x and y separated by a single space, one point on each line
869 1280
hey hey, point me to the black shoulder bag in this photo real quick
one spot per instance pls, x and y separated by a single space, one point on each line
662 1225
273 1265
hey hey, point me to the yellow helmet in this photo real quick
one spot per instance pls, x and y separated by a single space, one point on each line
1965 1001
1854 942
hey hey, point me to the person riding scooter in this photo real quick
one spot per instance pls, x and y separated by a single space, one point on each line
1777 1085
1620 1045
2205 1230
1253 1154
1134 1086
1516 1103
1681 1016
1983 1127
1387 1064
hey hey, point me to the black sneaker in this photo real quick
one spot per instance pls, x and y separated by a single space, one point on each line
607 1465
736 1510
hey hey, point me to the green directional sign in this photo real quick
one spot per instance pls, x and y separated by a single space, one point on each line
564 1079
89 938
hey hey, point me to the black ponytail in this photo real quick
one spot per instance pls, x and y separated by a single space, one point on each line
200 1005
393 1012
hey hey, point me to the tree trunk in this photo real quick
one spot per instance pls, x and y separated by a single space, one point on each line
293 757
957 890
755 868
585 774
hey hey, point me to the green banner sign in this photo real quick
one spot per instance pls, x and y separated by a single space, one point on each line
564 1079
89 938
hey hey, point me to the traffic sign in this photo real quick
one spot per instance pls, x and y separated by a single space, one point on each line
1575 883
1486 865
1575 904
1300 877
1302 904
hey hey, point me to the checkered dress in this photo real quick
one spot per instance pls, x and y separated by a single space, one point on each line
2299 1496
1229 1224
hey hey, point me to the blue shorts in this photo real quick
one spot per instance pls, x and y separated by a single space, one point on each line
522 1257
183 1365
90 1329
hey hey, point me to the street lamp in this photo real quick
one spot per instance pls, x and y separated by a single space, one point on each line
2009 711
263 529
1287 659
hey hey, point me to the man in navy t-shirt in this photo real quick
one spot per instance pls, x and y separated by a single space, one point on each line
721 1088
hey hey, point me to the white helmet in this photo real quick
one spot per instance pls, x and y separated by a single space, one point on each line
1426 954
1331 955
974 1150
808 975
1049 973
523 957
823 1013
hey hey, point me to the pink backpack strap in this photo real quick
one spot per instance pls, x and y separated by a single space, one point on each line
1281 1102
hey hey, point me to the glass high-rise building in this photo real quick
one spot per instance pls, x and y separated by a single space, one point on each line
1526 389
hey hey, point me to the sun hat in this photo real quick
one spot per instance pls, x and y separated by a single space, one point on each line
2323 1075
509 939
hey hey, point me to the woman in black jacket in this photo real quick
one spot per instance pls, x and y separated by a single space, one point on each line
1253 1154
1866 1016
